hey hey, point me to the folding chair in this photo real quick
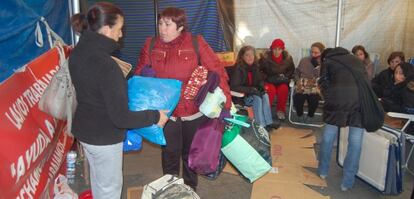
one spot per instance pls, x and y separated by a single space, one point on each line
292 109
408 137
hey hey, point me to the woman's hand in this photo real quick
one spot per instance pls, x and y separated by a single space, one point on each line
163 118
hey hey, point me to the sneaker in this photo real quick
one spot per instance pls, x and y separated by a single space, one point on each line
323 177
343 188
281 115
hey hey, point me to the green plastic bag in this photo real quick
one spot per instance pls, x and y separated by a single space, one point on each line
232 130
245 158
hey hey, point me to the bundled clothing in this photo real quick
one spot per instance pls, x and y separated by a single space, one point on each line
306 87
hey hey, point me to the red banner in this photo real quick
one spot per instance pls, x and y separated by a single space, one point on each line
33 145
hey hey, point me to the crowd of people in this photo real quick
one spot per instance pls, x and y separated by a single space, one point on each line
102 115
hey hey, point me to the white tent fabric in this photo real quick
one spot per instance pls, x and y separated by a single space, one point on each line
382 26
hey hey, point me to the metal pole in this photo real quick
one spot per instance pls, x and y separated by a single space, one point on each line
74 8
156 16
338 23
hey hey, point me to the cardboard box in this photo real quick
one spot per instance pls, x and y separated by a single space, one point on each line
228 168
263 189
134 192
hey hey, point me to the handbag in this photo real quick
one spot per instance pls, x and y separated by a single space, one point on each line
371 109
59 98
278 79
205 147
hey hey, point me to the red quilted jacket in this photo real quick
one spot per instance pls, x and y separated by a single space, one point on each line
177 60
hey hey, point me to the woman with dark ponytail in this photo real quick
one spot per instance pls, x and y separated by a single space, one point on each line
102 114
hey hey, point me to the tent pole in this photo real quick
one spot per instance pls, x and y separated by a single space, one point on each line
156 16
338 23
74 8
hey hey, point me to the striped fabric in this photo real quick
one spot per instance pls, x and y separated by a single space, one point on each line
202 19
140 23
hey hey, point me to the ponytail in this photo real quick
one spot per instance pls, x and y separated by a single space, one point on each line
99 15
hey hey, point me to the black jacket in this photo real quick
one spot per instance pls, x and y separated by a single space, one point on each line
383 83
102 114
339 88
272 69
239 79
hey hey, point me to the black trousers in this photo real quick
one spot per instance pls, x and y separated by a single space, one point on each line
179 135
299 101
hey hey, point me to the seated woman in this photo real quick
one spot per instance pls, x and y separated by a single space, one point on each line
306 76
362 55
384 81
246 78
278 68
401 98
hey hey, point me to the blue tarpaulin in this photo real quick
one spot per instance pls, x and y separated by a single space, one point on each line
20 22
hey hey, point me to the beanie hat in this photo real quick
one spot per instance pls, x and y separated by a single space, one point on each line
277 43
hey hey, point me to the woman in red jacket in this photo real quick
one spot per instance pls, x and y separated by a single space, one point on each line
174 56
278 68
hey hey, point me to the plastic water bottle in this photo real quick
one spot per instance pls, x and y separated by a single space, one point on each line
71 166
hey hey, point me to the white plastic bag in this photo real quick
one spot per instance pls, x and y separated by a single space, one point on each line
59 98
62 189
213 103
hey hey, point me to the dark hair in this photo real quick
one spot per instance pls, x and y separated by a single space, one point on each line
176 15
361 48
100 14
243 50
395 54
318 45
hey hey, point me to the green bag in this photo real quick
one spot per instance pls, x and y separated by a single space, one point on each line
233 129
245 158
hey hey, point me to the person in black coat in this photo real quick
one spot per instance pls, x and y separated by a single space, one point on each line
102 115
341 109
384 81
246 78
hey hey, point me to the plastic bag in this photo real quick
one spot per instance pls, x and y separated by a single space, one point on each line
246 159
213 103
258 138
205 148
147 93
132 142
59 97
62 190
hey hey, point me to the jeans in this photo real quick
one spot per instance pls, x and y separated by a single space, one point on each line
261 109
351 162
105 163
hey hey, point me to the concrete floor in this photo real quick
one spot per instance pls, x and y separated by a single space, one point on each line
143 167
